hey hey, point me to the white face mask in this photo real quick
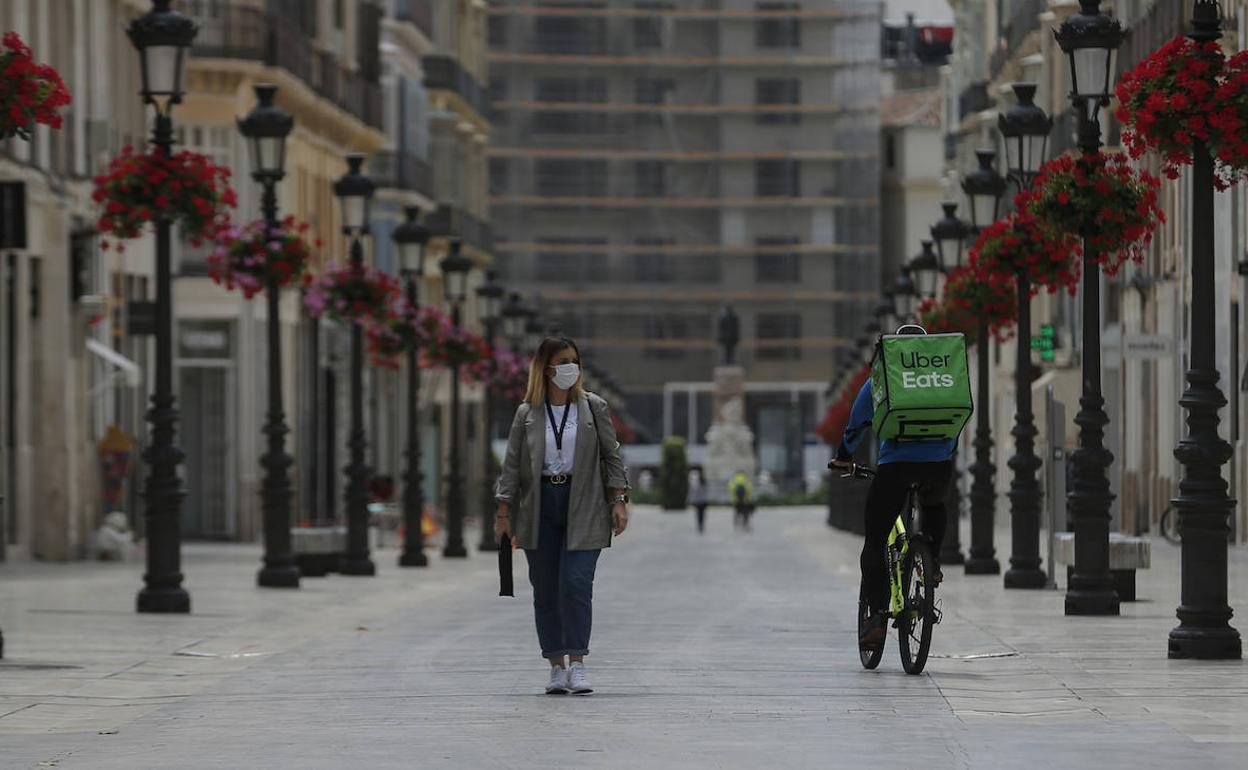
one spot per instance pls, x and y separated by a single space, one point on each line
566 375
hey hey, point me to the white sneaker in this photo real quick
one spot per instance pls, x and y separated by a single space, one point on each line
578 680
558 681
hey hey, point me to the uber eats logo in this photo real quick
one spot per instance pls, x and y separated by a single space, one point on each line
919 379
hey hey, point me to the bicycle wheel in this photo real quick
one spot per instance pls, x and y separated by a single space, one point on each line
869 658
1169 526
914 627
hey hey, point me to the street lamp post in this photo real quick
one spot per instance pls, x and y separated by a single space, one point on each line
905 296
1025 129
949 234
266 128
162 37
925 269
490 295
1089 39
411 237
355 192
984 188
514 315
1204 629
455 269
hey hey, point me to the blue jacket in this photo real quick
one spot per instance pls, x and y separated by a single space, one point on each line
860 416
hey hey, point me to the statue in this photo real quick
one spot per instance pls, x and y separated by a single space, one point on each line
729 334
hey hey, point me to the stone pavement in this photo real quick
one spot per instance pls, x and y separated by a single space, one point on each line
729 650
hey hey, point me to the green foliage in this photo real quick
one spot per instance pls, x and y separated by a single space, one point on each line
674 474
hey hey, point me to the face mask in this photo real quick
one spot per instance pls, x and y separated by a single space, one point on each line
566 375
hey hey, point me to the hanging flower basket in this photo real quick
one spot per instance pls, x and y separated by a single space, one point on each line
250 256
1019 244
359 295
445 345
30 93
187 187
511 376
393 336
1101 197
971 294
1188 92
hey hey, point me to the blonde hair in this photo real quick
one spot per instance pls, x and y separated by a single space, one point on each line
551 347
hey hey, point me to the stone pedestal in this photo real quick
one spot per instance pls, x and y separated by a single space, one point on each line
729 442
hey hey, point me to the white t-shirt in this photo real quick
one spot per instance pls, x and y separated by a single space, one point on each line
554 465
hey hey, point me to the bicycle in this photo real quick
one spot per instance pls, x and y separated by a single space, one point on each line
912 592
1168 525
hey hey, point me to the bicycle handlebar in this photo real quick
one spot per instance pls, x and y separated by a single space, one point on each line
855 471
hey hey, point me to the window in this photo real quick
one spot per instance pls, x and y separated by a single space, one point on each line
777 178
652 267
571 34
773 91
497 31
778 326
592 90
890 151
651 178
774 264
560 177
777 353
567 263
777 30
500 177
652 91
648 30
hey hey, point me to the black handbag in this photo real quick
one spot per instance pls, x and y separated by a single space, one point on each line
506 586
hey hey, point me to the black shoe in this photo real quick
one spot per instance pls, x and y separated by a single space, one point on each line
872 631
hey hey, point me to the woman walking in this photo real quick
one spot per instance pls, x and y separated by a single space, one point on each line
698 498
563 491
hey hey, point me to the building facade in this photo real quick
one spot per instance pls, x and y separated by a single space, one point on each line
656 161
1145 308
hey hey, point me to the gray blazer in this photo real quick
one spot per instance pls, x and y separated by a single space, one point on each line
596 468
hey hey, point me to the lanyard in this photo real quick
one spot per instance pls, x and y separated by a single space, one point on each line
550 412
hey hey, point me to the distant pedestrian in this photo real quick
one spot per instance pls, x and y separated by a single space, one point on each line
698 498
740 492
562 493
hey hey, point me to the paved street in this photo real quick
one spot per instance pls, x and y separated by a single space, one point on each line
726 651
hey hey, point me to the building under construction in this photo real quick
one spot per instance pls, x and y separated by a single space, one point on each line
653 161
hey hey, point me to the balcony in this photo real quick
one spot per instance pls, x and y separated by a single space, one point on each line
228 31
401 170
453 222
445 73
418 12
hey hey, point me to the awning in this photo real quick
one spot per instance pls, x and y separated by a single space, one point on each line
134 375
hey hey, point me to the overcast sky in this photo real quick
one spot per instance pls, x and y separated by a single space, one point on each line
923 10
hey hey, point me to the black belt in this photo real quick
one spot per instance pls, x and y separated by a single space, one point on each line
558 479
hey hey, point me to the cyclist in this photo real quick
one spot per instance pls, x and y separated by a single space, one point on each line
739 490
928 463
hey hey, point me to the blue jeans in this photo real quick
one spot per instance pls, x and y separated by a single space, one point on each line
563 580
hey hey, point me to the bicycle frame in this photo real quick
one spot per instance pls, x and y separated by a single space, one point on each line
897 548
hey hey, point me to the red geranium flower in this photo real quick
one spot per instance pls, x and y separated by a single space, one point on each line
29 93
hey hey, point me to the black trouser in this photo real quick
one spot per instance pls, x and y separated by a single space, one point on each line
700 508
884 501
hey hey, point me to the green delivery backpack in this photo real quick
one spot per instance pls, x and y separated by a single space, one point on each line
920 387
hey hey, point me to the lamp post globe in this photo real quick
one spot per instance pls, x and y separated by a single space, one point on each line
266 128
533 330
162 37
490 305
355 191
926 271
455 267
411 238
514 316
949 233
1090 40
1025 128
905 296
984 188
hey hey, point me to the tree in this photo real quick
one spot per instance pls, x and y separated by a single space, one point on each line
674 474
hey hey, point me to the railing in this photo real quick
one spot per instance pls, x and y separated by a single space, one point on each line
228 31
445 73
451 221
418 12
1164 20
974 99
401 170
